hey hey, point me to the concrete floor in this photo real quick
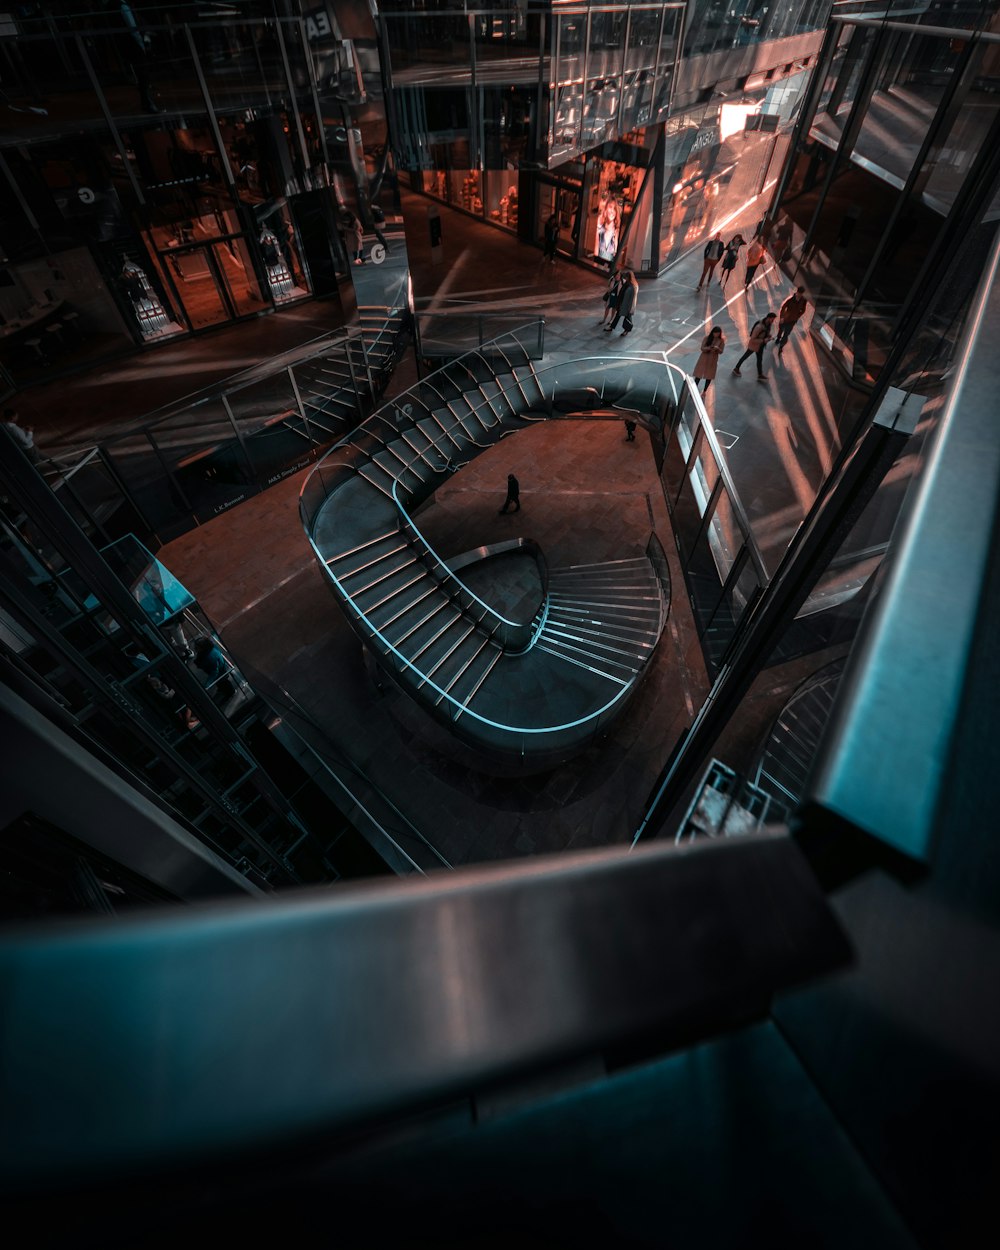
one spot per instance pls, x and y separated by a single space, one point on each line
586 495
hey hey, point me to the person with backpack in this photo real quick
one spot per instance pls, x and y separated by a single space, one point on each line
760 335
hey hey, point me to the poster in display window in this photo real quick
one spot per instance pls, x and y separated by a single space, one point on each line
609 219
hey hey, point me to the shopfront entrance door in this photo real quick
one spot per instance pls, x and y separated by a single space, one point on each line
563 199
200 285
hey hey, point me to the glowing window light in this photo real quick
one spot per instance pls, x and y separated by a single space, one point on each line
733 118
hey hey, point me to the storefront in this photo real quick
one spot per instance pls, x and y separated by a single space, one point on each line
718 159
118 244
599 200
491 195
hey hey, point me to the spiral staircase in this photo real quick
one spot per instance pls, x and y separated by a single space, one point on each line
538 688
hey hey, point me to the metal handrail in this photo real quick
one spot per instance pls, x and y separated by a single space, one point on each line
392 653
510 631
691 394
241 381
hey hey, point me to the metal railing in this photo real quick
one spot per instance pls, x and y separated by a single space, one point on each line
721 557
461 328
186 463
594 386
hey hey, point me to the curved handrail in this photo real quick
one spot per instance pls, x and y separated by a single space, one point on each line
664 379
407 664
511 632
508 546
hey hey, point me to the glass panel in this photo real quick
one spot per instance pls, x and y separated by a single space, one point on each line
565 203
54 311
273 433
233 262
724 535
195 278
242 62
504 38
422 43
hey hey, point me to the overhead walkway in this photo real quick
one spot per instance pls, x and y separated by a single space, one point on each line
537 685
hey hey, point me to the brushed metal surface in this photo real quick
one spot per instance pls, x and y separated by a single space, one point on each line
214 1029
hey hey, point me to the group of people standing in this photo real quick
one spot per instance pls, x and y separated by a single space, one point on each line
728 254
620 300
714 342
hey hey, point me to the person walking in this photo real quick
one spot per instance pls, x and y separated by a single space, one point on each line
629 431
358 238
626 303
760 336
788 314
712 347
610 296
730 258
551 238
713 253
755 258
513 494
782 240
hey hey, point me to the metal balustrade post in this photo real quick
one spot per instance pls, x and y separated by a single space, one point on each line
248 463
368 367
298 400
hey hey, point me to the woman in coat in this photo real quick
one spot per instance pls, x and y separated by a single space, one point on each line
712 347
626 302
731 257
611 296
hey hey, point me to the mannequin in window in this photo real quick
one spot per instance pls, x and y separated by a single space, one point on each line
269 249
133 282
286 235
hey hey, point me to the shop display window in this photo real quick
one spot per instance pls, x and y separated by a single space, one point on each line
615 187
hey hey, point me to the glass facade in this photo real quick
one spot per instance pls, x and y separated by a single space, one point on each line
901 120
719 25
576 126
717 159
187 198
887 211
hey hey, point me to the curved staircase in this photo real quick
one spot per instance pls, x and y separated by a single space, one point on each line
538 688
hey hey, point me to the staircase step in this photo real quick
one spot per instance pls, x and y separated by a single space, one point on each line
396 591
445 659
397 620
598 633
625 651
366 556
382 576
636 613
429 644
603 567
468 684
581 662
